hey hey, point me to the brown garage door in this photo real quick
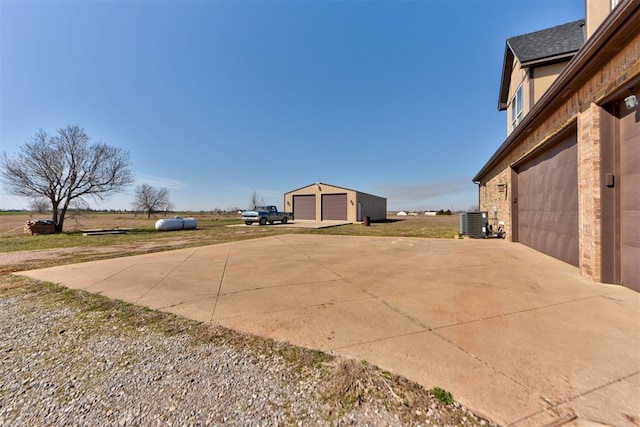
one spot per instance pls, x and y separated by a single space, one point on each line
630 199
304 207
334 207
547 201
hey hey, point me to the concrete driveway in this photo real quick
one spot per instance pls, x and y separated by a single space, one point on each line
515 335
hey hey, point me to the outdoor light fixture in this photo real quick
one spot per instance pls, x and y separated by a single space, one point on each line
631 101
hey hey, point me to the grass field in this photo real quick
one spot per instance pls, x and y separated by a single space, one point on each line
19 251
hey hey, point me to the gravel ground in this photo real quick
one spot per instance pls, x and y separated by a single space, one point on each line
72 358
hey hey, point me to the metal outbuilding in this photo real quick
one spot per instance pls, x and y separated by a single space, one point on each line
325 202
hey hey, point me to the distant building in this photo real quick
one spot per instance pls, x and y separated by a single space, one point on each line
325 202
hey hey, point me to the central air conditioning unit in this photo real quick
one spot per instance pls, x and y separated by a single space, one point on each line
475 224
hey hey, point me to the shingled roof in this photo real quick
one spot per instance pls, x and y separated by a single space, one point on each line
557 43
553 42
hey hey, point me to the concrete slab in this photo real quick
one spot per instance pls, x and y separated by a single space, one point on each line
352 322
514 334
298 224
290 325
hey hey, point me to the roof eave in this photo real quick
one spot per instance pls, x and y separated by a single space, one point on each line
549 60
505 80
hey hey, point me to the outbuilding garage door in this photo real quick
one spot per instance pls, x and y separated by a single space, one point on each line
547 200
334 207
630 200
304 207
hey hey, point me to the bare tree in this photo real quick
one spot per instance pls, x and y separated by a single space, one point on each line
256 199
65 168
150 200
39 205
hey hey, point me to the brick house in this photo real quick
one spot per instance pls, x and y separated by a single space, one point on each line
566 181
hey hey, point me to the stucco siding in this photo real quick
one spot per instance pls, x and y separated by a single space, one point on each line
543 77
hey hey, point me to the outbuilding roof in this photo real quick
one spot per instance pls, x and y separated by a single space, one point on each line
319 184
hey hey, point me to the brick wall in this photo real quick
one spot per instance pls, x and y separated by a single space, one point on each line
493 194
589 191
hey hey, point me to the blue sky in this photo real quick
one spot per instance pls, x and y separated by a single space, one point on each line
216 99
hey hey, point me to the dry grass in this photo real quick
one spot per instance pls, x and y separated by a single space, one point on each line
24 252
12 223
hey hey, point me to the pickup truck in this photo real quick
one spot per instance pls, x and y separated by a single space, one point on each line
264 214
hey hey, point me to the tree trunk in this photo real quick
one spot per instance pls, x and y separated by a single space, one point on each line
60 223
61 215
55 211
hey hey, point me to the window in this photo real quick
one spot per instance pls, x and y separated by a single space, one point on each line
516 108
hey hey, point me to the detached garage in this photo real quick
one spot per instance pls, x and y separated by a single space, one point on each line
324 202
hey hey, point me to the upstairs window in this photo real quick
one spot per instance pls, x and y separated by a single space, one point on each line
516 108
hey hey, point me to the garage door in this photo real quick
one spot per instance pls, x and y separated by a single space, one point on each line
630 199
304 207
547 202
334 207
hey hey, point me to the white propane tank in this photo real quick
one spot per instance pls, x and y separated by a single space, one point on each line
176 223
